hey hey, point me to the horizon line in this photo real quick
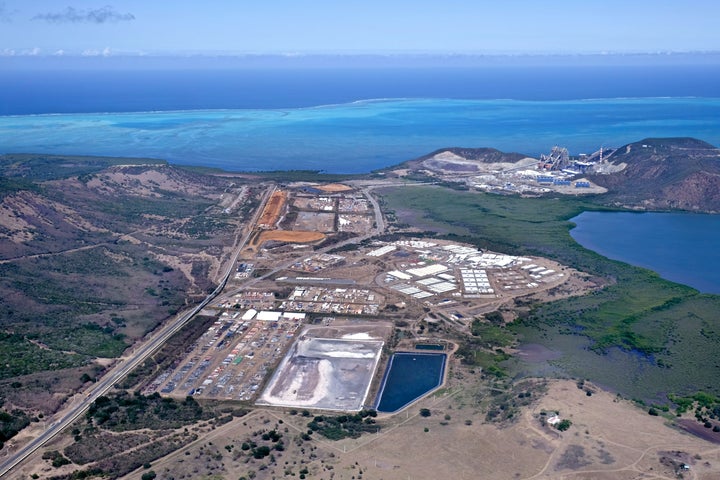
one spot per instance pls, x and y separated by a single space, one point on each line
107 52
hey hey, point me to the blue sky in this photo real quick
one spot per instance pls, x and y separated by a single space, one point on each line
106 27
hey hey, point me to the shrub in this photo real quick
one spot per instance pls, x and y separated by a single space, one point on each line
261 452
564 425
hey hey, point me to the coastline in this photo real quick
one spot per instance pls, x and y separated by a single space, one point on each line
361 136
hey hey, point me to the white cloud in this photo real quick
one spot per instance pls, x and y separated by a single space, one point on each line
106 14
32 52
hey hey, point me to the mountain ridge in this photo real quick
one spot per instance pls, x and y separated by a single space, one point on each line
675 173
680 173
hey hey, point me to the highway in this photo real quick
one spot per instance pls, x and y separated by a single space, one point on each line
379 220
139 355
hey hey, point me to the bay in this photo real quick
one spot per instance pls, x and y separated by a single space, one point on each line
681 247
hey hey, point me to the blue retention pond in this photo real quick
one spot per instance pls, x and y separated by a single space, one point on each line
410 376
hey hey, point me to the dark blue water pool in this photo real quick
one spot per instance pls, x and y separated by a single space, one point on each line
408 377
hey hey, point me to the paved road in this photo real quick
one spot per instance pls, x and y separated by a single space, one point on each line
379 229
126 365
379 219
141 353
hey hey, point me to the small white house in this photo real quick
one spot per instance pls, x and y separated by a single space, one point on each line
554 420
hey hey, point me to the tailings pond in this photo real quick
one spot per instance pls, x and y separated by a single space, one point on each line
409 376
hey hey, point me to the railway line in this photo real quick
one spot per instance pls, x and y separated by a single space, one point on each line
125 366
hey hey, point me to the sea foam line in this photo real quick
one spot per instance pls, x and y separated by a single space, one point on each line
360 102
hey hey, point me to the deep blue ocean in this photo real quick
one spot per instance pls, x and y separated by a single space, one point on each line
350 120
36 91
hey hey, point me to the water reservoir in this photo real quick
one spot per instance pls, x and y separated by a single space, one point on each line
408 377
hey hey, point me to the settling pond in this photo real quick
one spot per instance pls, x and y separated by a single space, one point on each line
408 377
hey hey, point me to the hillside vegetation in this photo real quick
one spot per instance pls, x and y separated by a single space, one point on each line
665 173
96 252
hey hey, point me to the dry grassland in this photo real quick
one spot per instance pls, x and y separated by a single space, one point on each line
609 439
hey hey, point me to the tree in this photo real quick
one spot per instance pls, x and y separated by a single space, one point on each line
149 475
425 412
564 425
261 452
495 318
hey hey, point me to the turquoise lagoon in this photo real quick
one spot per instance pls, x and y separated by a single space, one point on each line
361 136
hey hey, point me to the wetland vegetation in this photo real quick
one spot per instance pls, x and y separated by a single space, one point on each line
663 333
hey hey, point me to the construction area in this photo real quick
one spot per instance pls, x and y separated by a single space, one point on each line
272 210
328 368
309 215
556 171
335 300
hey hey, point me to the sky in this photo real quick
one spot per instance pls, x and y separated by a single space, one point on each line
182 27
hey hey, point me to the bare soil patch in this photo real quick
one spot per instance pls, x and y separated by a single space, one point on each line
334 187
317 221
291 236
699 430
272 210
